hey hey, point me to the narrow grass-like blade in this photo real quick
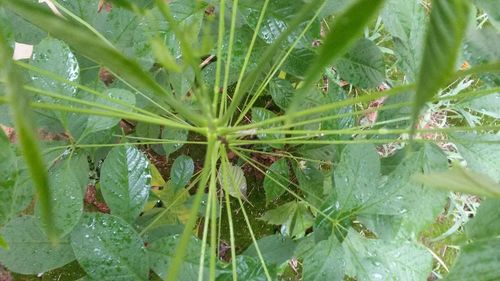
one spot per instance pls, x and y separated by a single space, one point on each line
346 28
93 47
446 29
25 131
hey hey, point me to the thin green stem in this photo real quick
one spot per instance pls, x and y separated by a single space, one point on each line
322 108
237 92
220 43
227 68
232 242
128 116
211 155
276 68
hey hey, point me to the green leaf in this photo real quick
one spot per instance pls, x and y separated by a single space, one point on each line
107 248
412 205
92 46
357 176
447 27
162 251
293 217
345 29
281 92
372 259
481 48
297 62
233 181
336 94
310 180
482 152
247 269
275 249
8 177
30 251
276 20
22 116
486 222
181 171
405 21
3 243
395 205
487 105
325 261
260 114
478 260
276 180
125 181
54 56
363 65
67 194
462 180
99 123
173 135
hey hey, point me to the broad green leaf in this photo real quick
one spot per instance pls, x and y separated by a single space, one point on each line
24 32
56 57
329 152
293 217
247 269
372 259
240 47
108 248
324 262
90 45
446 29
162 251
181 171
99 123
233 181
482 152
67 194
297 62
275 249
487 105
277 179
336 94
363 65
486 222
125 181
478 260
276 20
462 180
26 133
30 251
311 181
156 177
270 52
171 134
182 83
395 205
413 205
481 48
357 176
8 177
345 29
405 21
260 114
281 92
